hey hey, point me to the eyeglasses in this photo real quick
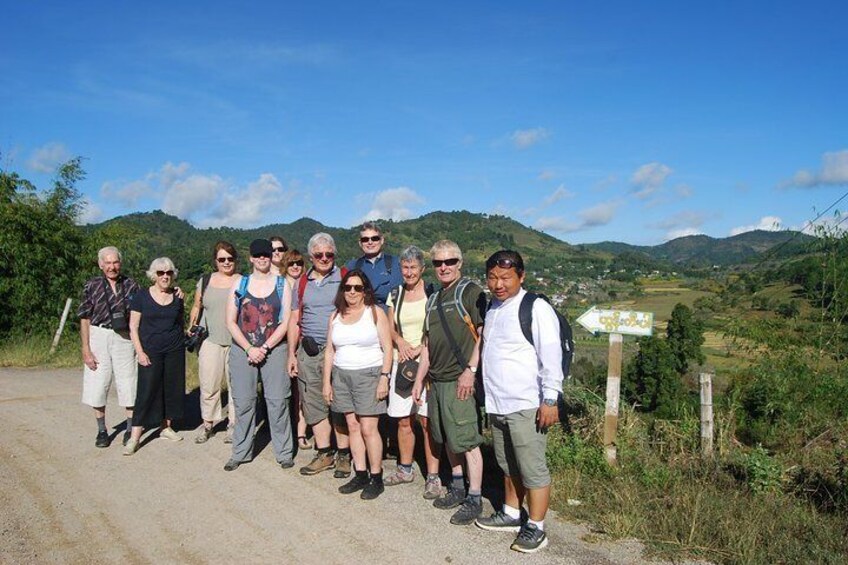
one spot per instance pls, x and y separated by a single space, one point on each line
225 259
353 287
506 263
366 239
280 250
169 272
320 256
298 263
261 256
449 262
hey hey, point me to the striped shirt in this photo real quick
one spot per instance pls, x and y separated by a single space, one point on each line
97 297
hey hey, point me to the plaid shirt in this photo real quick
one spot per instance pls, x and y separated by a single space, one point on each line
97 297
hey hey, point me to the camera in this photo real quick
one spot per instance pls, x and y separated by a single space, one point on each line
195 337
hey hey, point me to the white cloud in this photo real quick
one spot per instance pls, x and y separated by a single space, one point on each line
47 158
524 138
684 190
766 223
557 195
834 171
127 193
393 204
598 215
249 206
188 198
557 224
648 179
687 219
90 213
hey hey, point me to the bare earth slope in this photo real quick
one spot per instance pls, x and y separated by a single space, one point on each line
64 501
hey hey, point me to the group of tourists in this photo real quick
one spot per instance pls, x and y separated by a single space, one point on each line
362 341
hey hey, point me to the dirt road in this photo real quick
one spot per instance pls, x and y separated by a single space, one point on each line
65 501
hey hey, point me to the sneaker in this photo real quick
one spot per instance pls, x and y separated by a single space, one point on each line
102 439
373 489
127 436
131 446
229 437
342 466
499 522
204 434
433 489
321 462
358 482
530 539
399 478
169 434
451 499
287 464
232 465
468 511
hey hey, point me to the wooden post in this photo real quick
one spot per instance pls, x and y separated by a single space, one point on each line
61 326
706 381
613 393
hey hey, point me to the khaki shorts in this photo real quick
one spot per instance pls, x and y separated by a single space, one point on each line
355 390
520 447
310 380
115 362
453 421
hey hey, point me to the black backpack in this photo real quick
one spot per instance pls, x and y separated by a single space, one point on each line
566 337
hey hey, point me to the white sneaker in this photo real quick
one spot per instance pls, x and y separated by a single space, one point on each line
169 433
131 446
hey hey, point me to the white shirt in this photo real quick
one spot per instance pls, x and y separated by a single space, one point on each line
357 345
517 375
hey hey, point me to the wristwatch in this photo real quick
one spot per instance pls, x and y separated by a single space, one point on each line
387 375
550 402
472 369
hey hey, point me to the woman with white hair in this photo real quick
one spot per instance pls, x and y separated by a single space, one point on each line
157 333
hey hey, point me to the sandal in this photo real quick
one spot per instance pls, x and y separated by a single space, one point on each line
303 443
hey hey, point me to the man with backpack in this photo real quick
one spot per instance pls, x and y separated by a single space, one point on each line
453 318
522 366
382 269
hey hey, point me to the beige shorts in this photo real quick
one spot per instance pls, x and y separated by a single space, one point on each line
520 447
115 356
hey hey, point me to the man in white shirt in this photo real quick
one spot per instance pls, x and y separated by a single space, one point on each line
522 381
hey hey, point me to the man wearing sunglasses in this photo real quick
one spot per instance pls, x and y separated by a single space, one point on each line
382 269
454 317
313 303
523 380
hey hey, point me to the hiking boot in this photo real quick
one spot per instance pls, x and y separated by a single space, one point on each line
530 539
499 522
452 498
399 478
432 489
373 489
232 465
358 482
321 462
469 510
204 434
102 439
342 466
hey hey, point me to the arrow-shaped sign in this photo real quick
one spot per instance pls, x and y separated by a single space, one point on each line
617 321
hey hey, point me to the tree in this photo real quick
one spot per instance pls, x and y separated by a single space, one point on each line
685 335
651 380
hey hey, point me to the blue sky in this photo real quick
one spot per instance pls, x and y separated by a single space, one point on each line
628 121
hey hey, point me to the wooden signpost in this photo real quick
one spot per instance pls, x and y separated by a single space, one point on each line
617 323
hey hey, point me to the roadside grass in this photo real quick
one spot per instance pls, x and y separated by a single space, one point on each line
737 508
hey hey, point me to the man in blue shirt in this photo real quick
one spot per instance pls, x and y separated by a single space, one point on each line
382 269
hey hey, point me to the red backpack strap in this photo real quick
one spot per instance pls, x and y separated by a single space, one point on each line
301 288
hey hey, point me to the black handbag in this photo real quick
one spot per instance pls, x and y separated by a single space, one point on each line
406 370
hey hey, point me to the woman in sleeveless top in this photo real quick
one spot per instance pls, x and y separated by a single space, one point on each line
357 361
257 317
209 311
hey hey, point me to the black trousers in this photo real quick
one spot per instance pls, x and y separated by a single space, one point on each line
160 392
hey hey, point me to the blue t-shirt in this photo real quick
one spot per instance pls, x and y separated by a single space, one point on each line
318 304
378 274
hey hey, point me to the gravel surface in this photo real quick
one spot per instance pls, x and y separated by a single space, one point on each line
65 501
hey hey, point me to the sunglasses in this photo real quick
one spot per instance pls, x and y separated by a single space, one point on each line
449 262
261 256
169 272
329 255
225 259
298 263
280 250
353 287
366 239
506 263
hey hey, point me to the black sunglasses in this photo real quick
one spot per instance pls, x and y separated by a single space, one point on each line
366 239
261 255
298 263
353 287
169 272
505 263
225 259
449 262
328 255
280 250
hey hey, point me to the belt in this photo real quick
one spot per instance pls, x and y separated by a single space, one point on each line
104 326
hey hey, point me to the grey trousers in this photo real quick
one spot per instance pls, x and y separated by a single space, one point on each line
276 385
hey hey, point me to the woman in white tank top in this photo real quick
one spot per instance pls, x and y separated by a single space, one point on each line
357 361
